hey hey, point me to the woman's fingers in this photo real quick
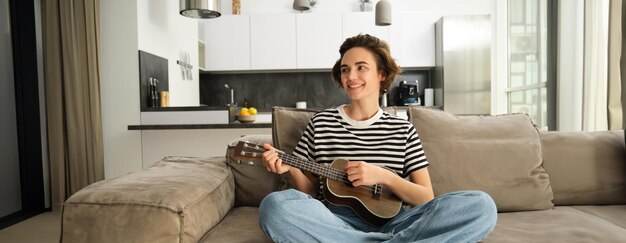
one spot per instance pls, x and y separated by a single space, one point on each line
271 161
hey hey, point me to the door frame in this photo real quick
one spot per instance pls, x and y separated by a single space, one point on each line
23 34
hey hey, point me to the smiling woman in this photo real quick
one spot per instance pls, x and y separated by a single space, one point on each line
367 148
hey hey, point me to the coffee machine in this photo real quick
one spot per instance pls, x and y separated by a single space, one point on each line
409 93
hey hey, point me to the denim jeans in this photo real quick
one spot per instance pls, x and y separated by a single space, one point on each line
293 216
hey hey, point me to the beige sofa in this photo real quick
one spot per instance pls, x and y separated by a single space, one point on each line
548 186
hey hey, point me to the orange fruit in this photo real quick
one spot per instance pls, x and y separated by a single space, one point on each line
244 113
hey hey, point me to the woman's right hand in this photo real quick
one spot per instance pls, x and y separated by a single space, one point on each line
272 162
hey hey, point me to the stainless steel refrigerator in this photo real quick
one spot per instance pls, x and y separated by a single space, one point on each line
462 74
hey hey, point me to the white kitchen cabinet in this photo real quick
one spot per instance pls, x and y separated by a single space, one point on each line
273 41
412 39
363 23
318 37
227 43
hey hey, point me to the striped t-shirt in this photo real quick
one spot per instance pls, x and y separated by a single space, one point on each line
383 140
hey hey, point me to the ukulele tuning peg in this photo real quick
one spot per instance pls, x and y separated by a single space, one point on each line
254 154
242 153
245 144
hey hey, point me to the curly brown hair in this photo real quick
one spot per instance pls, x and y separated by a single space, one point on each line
384 62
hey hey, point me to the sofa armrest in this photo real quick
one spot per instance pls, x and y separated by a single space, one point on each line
178 199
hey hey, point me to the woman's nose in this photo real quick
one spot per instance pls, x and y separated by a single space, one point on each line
352 74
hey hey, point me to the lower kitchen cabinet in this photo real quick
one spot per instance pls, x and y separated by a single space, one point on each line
157 144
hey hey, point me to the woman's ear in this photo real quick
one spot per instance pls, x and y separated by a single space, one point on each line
382 76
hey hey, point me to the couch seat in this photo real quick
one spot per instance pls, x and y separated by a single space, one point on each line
562 224
592 224
240 225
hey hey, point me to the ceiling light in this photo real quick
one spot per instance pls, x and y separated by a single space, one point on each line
200 9
383 13
303 5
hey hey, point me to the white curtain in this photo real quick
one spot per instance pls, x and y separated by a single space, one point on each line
615 53
595 68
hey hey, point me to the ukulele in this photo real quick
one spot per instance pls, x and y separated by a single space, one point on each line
373 203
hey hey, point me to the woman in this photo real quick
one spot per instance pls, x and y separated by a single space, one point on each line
371 139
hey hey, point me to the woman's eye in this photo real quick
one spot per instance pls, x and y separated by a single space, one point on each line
344 70
361 68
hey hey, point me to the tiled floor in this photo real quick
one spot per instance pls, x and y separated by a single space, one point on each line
45 227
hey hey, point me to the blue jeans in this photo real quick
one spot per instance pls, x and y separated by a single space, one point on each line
293 216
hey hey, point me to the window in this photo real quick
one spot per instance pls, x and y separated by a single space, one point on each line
530 76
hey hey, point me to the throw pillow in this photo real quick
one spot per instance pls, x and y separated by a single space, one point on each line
252 181
500 155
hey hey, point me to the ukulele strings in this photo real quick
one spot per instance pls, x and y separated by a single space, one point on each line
329 172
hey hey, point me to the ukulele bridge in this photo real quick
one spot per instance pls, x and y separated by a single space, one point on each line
378 190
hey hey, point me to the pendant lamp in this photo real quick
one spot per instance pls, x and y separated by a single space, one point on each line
301 5
383 13
200 9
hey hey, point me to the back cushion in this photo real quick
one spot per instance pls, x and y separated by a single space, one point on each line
288 125
500 155
586 167
252 181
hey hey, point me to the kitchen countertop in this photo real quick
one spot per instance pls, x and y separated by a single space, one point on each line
197 108
199 126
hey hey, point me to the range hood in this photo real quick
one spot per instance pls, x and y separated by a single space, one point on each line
200 9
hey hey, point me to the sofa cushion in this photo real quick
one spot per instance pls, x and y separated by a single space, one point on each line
252 181
240 225
178 199
585 167
288 125
615 214
561 224
500 155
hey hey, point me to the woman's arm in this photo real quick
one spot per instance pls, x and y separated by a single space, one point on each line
304 182
415 192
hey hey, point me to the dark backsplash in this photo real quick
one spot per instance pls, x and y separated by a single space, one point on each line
265 90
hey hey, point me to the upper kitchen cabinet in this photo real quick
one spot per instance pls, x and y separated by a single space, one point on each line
363 23
412 39
273 41
227 42
318 37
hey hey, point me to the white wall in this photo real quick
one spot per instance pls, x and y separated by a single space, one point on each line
162 31
119 86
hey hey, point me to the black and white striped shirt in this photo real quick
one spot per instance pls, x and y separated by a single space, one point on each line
383 140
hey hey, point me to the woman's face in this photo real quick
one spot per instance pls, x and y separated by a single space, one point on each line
359 74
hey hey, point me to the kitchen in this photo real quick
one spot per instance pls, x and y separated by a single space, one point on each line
156 27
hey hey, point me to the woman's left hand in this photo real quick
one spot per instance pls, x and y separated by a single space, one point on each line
361 173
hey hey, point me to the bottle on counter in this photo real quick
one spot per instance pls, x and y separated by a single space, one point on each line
150 89
154 96
165 99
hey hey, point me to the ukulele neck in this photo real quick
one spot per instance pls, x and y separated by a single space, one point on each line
315 168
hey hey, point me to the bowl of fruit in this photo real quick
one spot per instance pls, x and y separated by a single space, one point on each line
247 115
